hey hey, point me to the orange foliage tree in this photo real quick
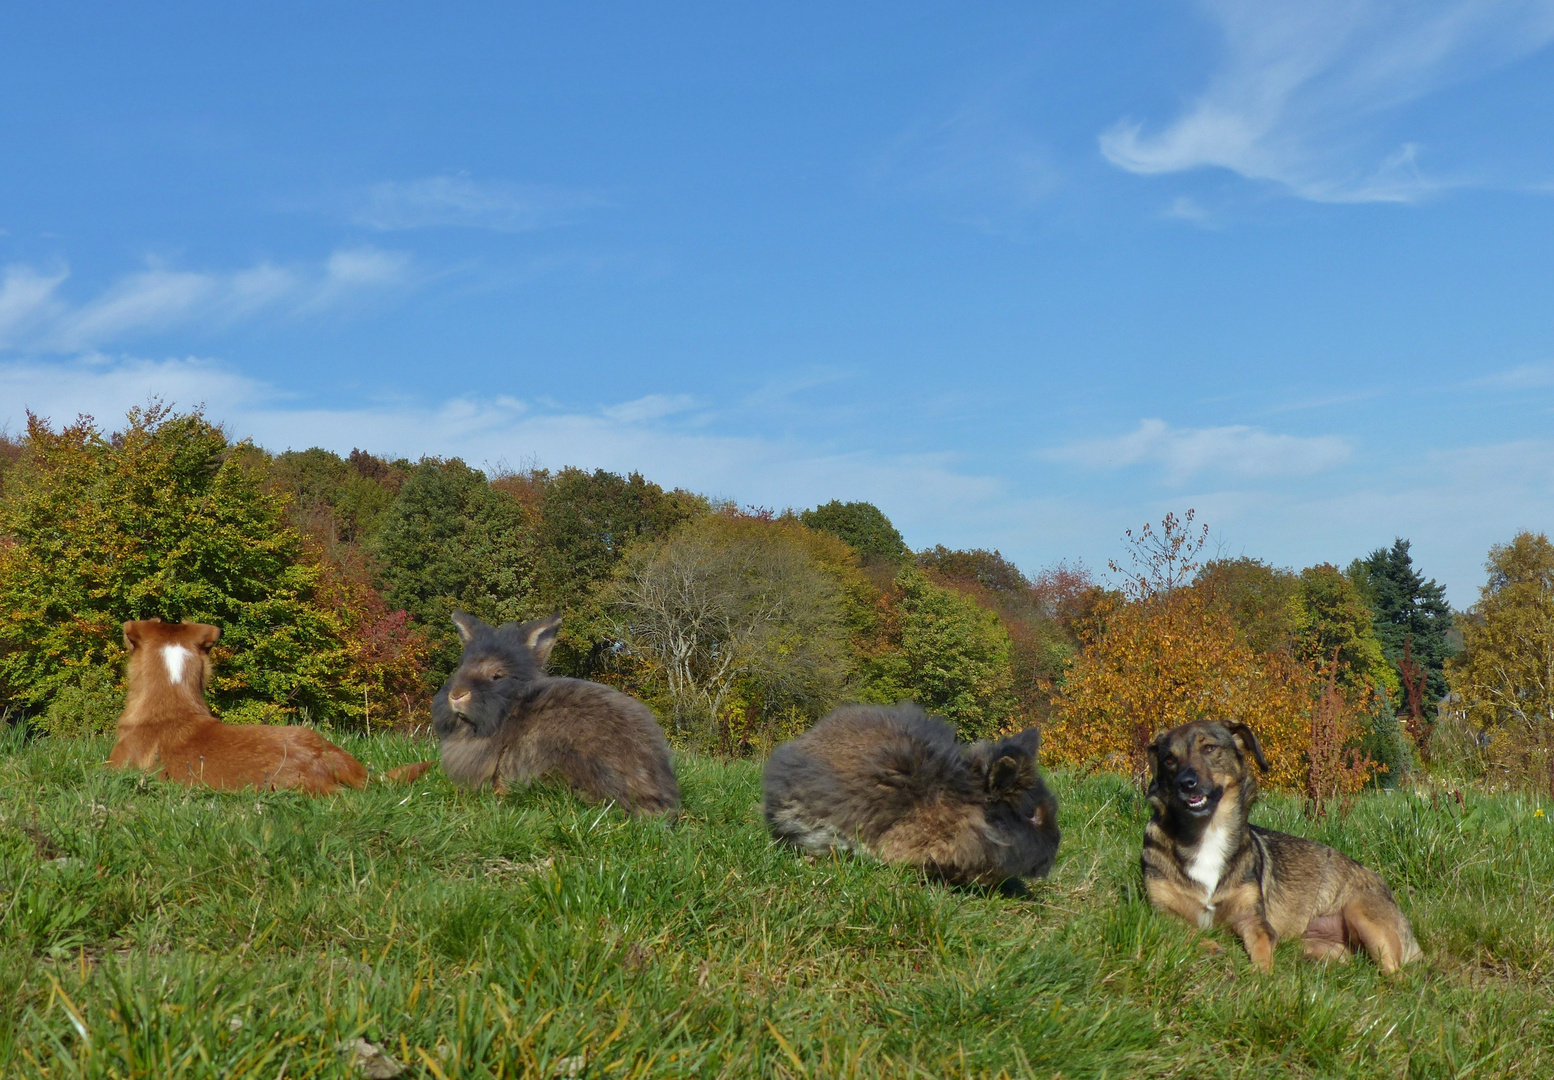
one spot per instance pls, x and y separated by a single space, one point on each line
1163 653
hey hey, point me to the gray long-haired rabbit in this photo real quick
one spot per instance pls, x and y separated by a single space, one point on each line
894 782
503 721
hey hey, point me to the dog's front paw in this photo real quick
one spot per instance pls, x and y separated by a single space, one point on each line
1210 946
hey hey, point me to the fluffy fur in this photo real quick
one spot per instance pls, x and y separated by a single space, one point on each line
503 721
896 784
1204 862
166 728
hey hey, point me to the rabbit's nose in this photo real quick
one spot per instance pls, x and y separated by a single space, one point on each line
459 700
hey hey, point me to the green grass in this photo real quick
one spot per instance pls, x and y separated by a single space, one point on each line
150 930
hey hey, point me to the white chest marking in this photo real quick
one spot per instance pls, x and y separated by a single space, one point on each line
177 658
1209 863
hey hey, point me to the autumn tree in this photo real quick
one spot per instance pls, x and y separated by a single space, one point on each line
1263 600
1164 651
165 518
1504 677
342 501
734 614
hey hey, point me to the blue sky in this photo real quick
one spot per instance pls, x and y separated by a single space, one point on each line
1022 275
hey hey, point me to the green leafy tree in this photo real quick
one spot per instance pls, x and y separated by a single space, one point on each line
450 541
1334 619
1039 645
862 525
341 501
165 518
1262 600
1408 608
944 651
587 522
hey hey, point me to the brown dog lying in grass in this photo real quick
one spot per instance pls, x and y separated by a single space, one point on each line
167 729
1203 861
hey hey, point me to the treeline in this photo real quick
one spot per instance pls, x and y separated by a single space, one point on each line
334 578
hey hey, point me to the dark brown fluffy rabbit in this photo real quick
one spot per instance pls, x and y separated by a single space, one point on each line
894 782
503 721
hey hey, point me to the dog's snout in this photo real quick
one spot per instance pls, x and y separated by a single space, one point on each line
1187 779
458 700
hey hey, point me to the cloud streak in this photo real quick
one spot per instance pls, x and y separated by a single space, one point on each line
460 202
1302 82
1236 451
35 318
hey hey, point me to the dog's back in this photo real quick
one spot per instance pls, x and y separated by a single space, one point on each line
167 728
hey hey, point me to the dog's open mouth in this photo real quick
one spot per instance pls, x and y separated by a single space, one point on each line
1201 802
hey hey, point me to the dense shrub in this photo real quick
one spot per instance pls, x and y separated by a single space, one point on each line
164 518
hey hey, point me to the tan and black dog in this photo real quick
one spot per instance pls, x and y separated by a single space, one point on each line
1204 862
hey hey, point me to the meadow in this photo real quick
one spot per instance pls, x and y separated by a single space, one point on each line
156 931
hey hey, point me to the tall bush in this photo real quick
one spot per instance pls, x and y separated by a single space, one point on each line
1503 681
164 518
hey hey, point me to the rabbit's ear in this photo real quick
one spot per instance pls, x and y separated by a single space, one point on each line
467 625
1004 776
540 635
1027 742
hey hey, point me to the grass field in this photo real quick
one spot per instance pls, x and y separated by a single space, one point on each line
149 930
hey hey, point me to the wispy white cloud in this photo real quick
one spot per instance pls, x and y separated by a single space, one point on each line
992 169
1521 377
651 407
27 300
1237 451
1186 208
1302 83
35 317
463 202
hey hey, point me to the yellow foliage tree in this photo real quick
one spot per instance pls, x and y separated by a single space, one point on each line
1164 653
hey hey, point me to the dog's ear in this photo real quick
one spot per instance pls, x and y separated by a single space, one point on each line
205 635
131 636
540 635
1152 753
1246 738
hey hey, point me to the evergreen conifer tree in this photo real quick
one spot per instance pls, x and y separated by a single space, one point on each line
1407 608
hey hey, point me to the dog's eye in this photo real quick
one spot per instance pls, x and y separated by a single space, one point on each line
1169 761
